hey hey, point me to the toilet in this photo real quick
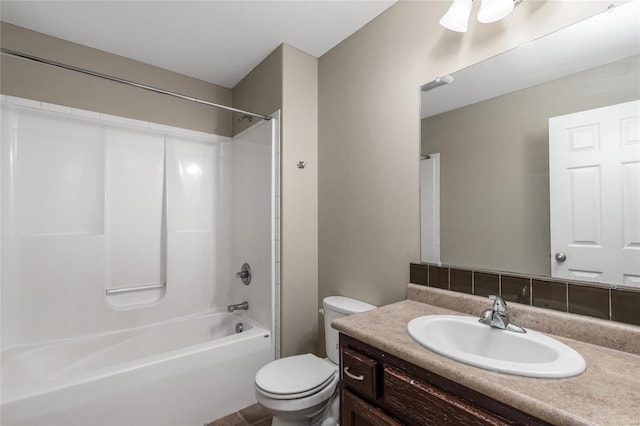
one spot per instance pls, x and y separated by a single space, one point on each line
302 389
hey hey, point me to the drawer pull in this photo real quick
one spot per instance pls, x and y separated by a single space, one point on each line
353 376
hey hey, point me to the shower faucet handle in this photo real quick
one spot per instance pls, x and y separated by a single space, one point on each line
245 274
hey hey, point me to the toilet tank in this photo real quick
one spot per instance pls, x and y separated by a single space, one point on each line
336 307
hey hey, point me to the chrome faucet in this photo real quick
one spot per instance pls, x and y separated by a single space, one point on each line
498 316
239 306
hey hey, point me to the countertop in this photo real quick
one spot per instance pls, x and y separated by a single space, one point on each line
607 393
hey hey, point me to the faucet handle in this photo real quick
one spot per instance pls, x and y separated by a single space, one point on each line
499 305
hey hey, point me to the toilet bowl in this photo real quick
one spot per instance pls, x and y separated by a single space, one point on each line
303 389
293 401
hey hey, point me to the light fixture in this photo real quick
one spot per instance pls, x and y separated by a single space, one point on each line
494 10
457 17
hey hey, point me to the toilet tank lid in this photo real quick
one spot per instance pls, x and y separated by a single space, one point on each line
346 305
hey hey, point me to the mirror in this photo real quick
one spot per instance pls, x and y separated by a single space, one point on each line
489 199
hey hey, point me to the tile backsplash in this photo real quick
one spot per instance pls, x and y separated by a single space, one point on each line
565 296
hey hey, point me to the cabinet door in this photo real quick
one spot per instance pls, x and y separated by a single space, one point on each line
425 404
356 412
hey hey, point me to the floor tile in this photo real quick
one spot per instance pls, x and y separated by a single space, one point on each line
265 422
230 420
254 413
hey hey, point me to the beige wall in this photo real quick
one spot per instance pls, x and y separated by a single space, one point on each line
494 173
299 203
369 134
259 91
288 79
31 80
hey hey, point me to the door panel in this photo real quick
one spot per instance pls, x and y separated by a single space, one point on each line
594 176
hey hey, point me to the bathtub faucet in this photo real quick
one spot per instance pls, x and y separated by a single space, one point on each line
239 306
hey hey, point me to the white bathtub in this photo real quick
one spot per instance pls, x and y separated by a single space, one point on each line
184 372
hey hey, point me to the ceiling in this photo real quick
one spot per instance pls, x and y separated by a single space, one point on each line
215 41
599 40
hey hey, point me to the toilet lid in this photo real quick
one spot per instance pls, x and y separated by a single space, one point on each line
294 375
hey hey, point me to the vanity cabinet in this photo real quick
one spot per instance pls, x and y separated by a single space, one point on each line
379 389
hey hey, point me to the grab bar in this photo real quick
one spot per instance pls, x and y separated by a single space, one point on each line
112 291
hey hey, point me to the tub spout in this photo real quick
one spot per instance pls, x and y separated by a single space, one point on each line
239 306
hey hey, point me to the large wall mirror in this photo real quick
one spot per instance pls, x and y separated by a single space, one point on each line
531 159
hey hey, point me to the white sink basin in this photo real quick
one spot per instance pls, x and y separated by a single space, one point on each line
466 340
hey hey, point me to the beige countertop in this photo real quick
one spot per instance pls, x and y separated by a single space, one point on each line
607 393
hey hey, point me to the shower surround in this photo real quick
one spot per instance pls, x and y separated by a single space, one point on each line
93 202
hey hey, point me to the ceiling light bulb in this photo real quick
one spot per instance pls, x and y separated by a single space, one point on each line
494 10
457 17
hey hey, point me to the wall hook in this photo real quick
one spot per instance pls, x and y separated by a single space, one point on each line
301 164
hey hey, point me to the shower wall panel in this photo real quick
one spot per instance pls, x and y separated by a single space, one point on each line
197 222
90 204
253 228
59 166
135 214
52 224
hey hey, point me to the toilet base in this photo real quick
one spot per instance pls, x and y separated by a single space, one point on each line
277 422
332 414
280 423
328 416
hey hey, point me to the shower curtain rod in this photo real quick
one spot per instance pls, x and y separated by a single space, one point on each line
127 82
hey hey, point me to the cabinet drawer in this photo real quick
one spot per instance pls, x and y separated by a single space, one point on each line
359 372
425 404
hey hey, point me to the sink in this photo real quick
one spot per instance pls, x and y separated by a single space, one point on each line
466 340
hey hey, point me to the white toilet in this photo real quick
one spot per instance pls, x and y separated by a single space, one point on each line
302 389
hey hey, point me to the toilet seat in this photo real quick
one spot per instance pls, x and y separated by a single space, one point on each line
296 395
294 377
305 407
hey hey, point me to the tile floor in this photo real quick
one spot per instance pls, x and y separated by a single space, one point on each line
253 415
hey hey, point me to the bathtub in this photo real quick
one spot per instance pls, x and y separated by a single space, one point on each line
188 371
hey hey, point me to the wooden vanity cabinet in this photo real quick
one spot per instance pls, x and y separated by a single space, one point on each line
378 389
